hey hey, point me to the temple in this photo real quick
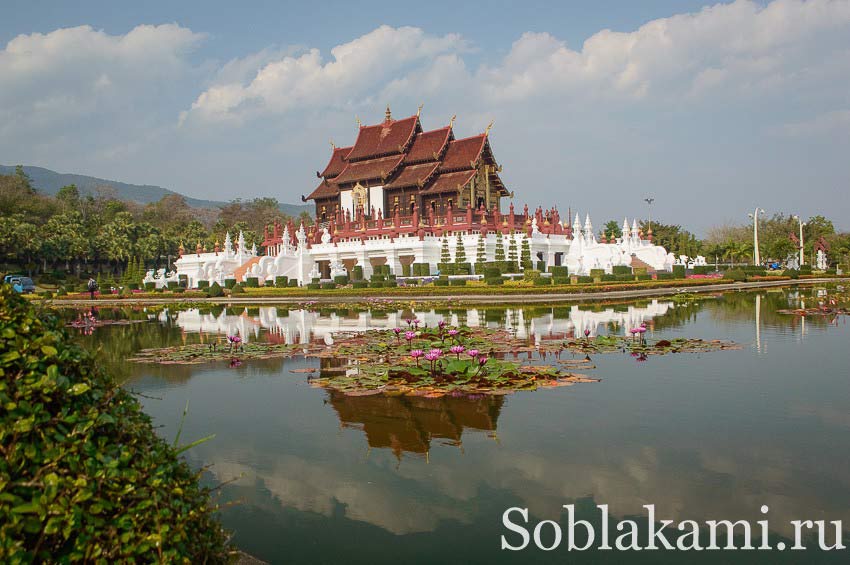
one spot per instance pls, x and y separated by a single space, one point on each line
407 202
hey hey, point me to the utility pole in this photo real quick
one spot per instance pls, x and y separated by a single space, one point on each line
756 253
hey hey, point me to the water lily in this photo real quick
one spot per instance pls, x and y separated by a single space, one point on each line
472 353
586 333
482 360
397 332
416 354
457 350
409 336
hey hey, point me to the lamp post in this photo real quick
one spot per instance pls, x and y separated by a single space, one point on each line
755 217
649 202
802 255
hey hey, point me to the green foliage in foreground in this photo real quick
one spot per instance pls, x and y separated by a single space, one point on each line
83 476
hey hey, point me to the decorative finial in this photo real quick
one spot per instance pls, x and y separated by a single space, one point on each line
452 121
333 145
419 110
357 119
490 125
389 114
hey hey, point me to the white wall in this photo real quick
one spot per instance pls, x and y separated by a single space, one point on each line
346 202
376 198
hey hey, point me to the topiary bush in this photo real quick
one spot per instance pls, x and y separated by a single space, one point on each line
621 270
560 280
736 275
201 285
441 282
495 281
559 271
542 281
661 276
341 280
150 286
360 284
83 475
793 273
597 273
292 283
314 286
678 271
703 269
281 282
357 273
328 285
215 290
229 283
237 289
252 282
457 282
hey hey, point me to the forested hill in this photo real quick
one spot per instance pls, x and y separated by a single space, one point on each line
50 182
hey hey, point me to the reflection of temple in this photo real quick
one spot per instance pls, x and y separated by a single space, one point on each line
304 326
410 424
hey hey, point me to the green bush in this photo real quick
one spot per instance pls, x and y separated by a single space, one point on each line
805 269
201 285
281 282
328 285
584 279
390 283
183 280
560 280
172 285
662 276
215 290
643 277
492 272
238 289
133 286
360 284
457 282
292 283
421 269
541 266
494 281
736 275
314 286
178 290
621 270
559 271
446 268
639 270
441 282
597 272
624 277
531 275
229 283
357 273
377 277
252 282
678 271
793 273
703 269
542 281
376 284
463 268
84 476
341 280
608 278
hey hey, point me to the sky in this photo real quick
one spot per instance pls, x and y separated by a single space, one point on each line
710 109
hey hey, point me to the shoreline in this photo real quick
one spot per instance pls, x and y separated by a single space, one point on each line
504 298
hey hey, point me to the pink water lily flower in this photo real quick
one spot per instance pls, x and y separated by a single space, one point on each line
472 353
416 354
457 350
431 356
437 352
409 335
586 333
482 360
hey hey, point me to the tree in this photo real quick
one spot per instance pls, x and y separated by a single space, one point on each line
612 229
460 251
512 249
445 255
480 251
500 247
525 256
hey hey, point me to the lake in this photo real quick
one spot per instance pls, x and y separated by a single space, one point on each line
308 475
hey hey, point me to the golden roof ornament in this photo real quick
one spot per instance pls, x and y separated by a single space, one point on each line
333 145
389 114
419 110
357 119
490 125
452 121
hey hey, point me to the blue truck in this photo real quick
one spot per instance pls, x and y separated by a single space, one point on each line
20 283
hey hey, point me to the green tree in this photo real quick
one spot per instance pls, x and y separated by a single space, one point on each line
613 229
480 250
460 251
525 255
445 255
500 247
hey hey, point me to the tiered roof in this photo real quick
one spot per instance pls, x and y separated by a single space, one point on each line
399 154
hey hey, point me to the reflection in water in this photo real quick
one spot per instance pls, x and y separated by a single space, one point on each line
702 437
410 424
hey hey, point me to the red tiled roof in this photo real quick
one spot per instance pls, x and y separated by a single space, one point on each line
337 162
450 181
428 146
462 153
324 190
413 175
386 138
371 169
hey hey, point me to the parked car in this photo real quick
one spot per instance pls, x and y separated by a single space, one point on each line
20 283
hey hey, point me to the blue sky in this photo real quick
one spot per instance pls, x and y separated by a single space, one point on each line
712 109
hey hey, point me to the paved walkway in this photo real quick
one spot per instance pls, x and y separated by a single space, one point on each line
467 298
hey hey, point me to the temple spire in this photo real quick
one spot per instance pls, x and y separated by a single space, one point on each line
389 114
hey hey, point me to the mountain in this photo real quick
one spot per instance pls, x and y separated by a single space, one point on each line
50 182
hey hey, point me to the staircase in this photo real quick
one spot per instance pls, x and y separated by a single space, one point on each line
239 273
638 263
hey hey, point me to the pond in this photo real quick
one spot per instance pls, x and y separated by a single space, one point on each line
312 475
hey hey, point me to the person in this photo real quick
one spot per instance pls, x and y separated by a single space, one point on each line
92 287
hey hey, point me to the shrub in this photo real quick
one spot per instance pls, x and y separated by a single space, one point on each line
390 284
542 281
46 294
314 286
215 290
357 273
237 289
703 269
229 283
252 282
793 273
624 277
494 281
328 285
560 280
621 270
492 272
360 284
177 290
805 269
457 282
639 270
376 284
559 271
678 271
281 282
644 277
441 282
597 273
541 266
183 280
661 276
531 275
584 279
84 475
133 286
446 268
341 280
737 275
463 268
201 285
172 285
292 283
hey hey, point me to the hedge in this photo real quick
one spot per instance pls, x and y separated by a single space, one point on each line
793 273
703 269
560 280
661 276
495 281
621 270
357 273
341 280
441 282
281 282
446 268
583 279
252 282
229 283
457 282
559 271
328 285
237 289
735 275
172 285
639 270
292 283
215 290
314 286
624 277
148 286
597 272
679 271
541 266
542 281
376 284
360 284
84 476
201 284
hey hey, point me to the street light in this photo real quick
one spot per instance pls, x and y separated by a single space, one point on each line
755 217
649 202
802 223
